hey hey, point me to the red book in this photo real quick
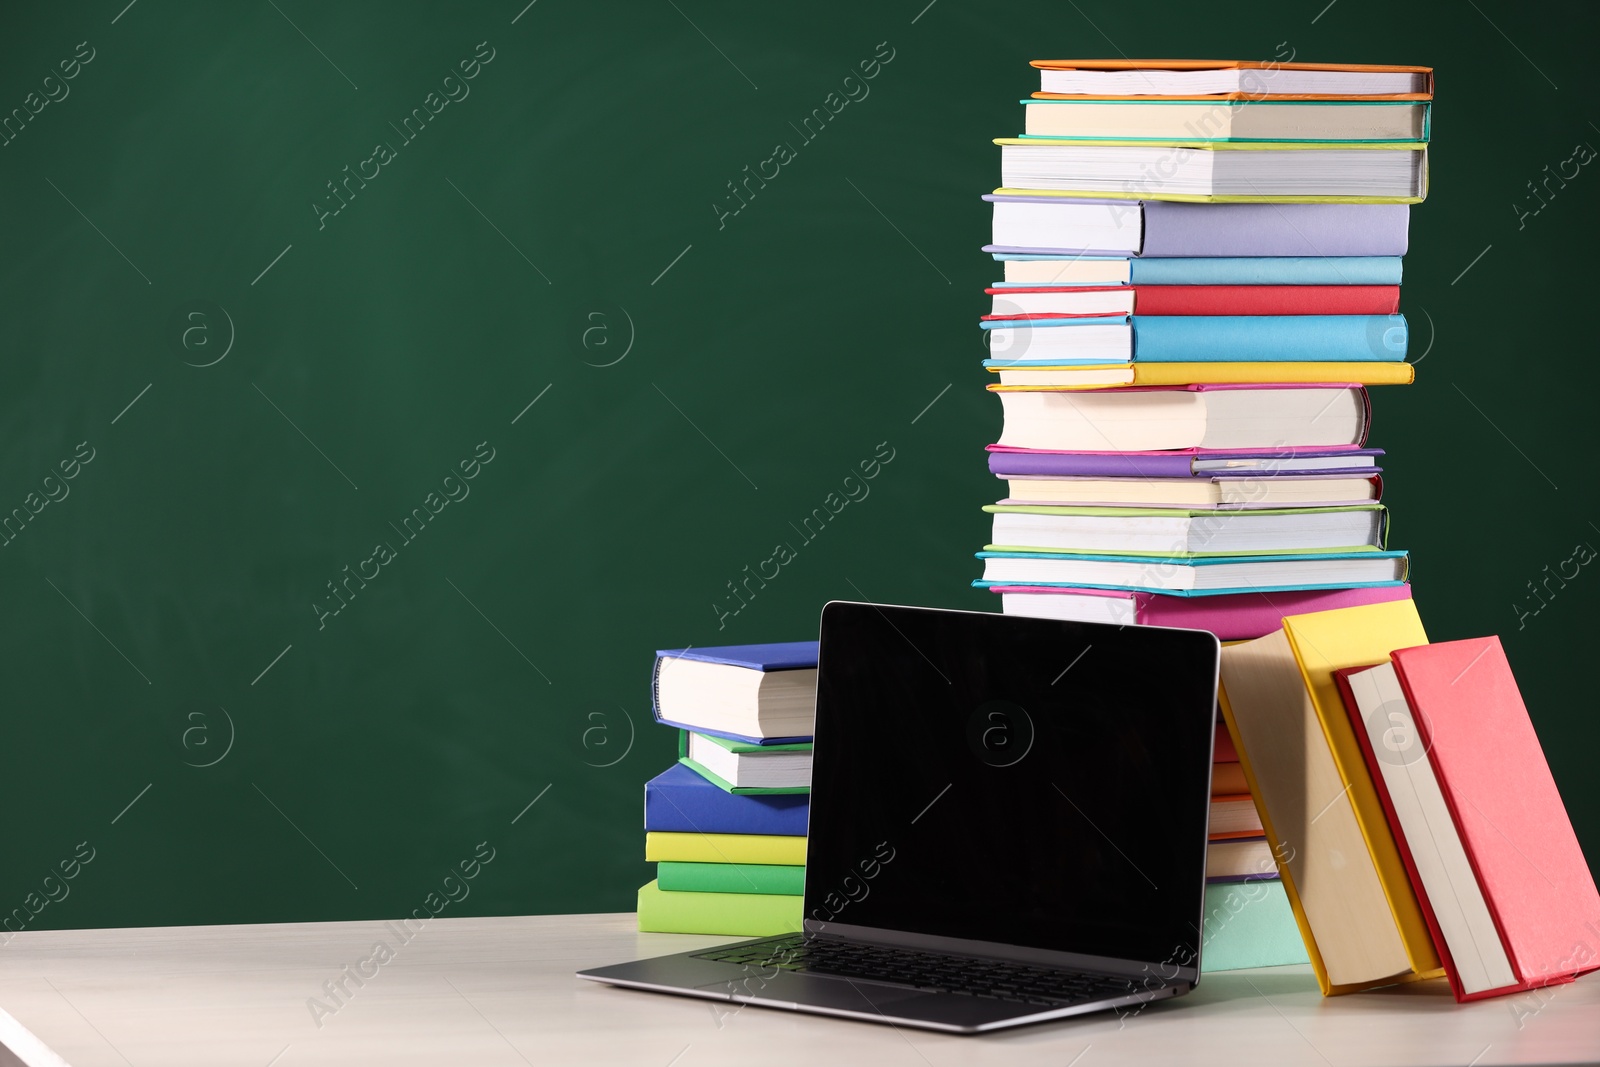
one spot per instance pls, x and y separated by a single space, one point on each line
1503 884
1074 301
1223 751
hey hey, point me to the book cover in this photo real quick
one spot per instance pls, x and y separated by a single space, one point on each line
733 914
665 847
680 801
1508 813
1249 924
731 878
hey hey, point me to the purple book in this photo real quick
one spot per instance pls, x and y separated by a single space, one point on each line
1177 464
1182 230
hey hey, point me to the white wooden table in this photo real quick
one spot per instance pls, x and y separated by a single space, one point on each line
502 992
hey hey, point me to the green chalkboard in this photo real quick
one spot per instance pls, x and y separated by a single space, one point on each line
384 382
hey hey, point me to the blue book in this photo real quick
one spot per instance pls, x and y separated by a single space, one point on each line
680 801
759 694
1050 342
1240 270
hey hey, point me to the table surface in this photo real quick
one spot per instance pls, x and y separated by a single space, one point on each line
501 991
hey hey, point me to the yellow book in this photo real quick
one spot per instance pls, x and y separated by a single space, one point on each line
663 847
1341 869
1110 375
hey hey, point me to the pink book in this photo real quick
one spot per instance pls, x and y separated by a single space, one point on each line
1231 616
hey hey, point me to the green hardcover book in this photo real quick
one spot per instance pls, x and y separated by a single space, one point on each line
731 878
737 767
1249 924
734 914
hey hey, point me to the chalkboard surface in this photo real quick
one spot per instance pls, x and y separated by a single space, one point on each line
383 383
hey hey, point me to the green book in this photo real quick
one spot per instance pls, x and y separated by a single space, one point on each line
738 767
1249 924
734 914
731 878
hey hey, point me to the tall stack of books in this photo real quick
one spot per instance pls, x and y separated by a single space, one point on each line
1201 270
726 824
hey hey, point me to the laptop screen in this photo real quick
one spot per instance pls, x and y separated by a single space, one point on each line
1024 781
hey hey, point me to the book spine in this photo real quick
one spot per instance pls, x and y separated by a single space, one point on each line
1219 230
1269 338
1266 299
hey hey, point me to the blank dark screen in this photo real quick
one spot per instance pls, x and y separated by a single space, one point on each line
1021 781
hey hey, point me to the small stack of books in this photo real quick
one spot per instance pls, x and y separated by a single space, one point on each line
726 824
1201 278
1408 806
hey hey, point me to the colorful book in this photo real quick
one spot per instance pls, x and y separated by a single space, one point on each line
1232 617
1239 858
1226 492
1194 575
678 800
1214 120
1373 172
1249 924
1242 338
1227 779
1234 815
1015 302
760 694
663 847
1008 461
1340 866
1222 750
1231 79
1503 883
733 914
1224 417
1055 225
1185 532
741 767
1154 375
1023 269
783 880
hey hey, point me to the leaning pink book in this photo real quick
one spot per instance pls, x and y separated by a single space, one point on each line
1231 616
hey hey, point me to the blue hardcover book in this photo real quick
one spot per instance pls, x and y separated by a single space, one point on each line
769 688
680 801
1050 342
1240 270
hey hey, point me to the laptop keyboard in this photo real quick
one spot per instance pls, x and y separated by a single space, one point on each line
932 972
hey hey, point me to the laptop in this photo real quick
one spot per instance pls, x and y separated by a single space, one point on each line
1007 825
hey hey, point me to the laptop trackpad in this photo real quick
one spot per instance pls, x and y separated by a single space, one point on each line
823 992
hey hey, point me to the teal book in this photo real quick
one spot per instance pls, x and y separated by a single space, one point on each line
1054 341
780 879
1249 924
